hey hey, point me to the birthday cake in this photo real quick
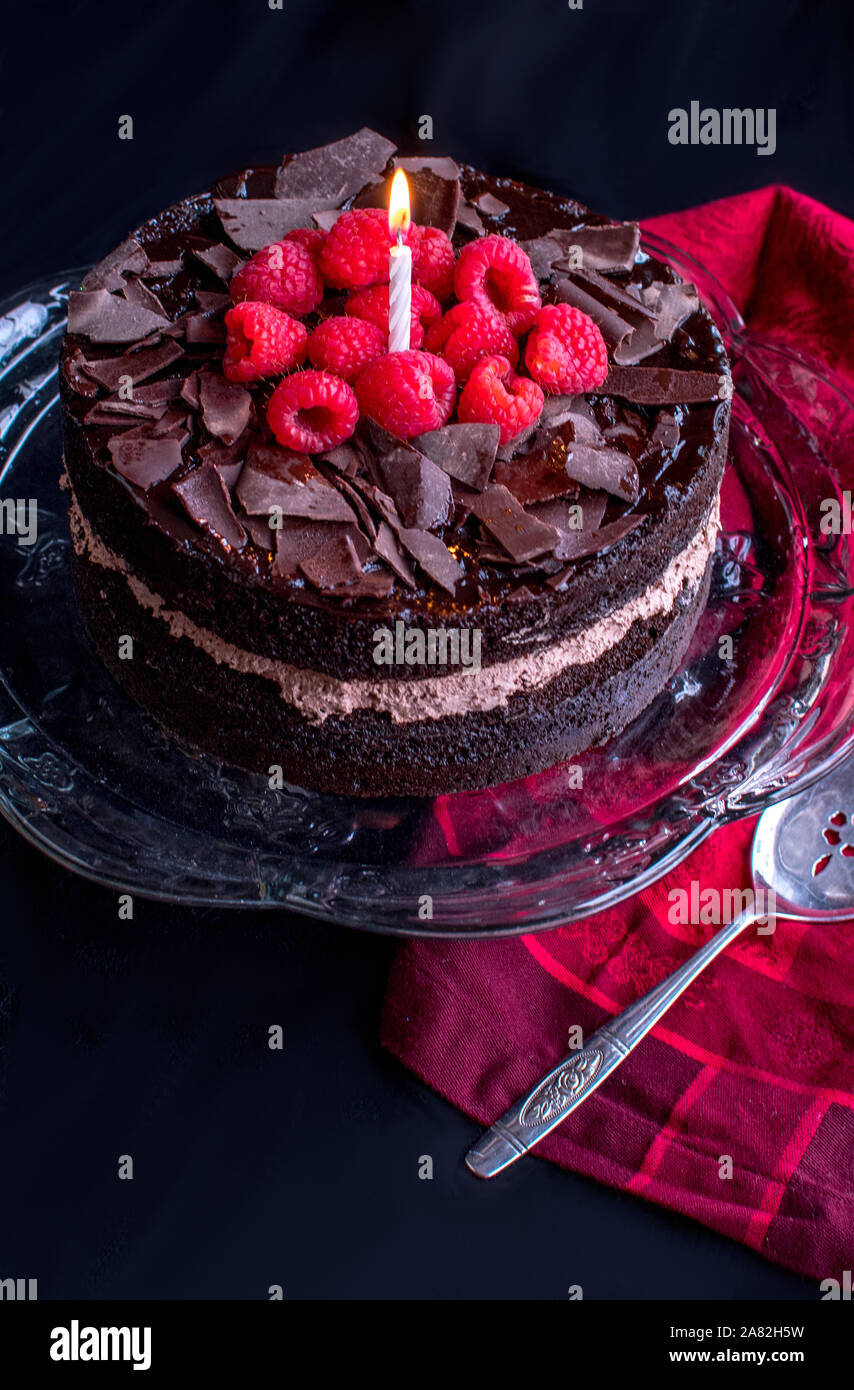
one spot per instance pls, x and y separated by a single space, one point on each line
390 572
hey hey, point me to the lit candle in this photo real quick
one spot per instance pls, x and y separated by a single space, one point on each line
400 268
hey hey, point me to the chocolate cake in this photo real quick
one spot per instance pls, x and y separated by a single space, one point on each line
399 612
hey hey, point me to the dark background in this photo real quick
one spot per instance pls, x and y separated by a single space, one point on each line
149 1037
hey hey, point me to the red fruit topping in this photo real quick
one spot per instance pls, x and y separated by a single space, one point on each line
344 346
372 305
494 395
312 238
566 353
262 341
312 411
466 334
355 252
407 392
283 274
495 273
433 263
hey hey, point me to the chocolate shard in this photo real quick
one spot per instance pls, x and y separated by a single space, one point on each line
388 549
543 252
220 259
148 402
514 446
666 431
204 327
593 543
469 217
435 200
260 532
205 499
492 206
108 318
145 462
609 470
433 556
466 452
171 424
227 459
211 302
162 270
75 371
333 173
641 343
109 419
664 385
582 513
615 329
190 391
673 304
343 457
440 164
376 584
108 273
421 492
539 475
275 479
434 197
521 535
333 563
135 292
108 371
574 410
225 406
325 218
255 222
359 505
626 299
296 540
613 247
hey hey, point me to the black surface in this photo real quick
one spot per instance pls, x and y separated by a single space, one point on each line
149 1037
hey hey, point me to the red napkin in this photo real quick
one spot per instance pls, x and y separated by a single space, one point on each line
752 1072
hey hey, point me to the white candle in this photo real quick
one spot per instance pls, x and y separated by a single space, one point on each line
399 268
399 297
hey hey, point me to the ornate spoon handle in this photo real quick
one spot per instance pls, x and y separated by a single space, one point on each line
577 1075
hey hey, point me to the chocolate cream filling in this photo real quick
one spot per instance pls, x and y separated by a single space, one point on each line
317 696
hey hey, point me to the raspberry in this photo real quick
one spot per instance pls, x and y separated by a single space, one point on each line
407 392
312 412
261 341
495 273
372 305
312 238
467 333
355 252
494 395
282 274
344 346
433 263
566 353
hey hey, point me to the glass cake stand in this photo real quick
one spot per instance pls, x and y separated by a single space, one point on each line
761 707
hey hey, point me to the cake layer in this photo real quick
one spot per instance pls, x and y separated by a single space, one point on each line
318 697
240 717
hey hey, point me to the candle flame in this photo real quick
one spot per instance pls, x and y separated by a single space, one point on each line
398 204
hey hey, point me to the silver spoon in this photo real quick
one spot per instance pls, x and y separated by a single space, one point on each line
803 856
